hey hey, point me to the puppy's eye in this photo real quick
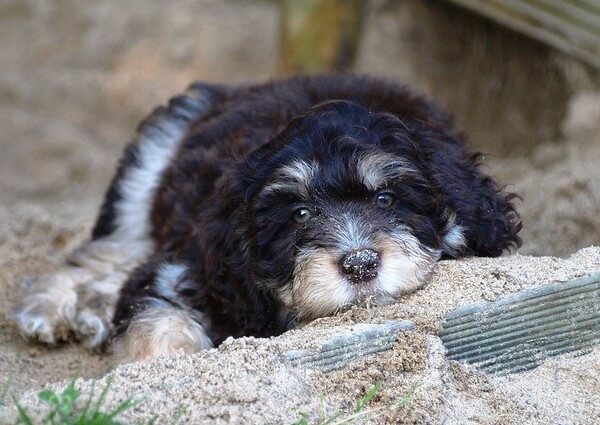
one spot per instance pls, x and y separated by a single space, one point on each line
302 215
384 199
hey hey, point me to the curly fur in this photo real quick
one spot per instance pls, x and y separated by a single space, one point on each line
220 208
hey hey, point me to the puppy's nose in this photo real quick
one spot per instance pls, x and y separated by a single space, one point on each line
362 265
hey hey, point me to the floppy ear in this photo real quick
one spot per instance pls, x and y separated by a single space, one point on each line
480 218
226 227
223 227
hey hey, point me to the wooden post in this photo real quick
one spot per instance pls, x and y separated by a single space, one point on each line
319 35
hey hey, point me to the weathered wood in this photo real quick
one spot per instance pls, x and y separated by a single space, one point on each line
363 340
319 35
517 332
572 26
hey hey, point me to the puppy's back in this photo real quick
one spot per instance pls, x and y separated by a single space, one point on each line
242 118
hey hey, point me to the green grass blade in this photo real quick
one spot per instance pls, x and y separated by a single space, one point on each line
368 397
103 395
68 398
22 414
49 397
303 419
88 403
126 405
409 395
330 419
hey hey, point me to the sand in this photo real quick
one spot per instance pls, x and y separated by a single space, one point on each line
247 380
69 104
47 206
560 183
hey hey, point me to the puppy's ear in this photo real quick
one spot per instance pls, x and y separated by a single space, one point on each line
224 227
479 216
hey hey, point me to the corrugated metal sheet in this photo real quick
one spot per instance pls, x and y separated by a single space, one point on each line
572 26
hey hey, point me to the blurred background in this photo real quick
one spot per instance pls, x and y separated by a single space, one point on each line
76 76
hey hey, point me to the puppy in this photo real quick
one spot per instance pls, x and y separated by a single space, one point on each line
241 210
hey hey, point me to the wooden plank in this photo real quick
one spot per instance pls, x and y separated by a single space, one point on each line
363 340
592 6
572 26
517 332
571 13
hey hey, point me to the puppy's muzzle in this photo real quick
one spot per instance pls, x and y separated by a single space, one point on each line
361 266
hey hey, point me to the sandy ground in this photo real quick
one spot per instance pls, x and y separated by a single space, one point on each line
247 381
68 105
243 379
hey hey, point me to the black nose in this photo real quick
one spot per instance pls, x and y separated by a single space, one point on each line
362 265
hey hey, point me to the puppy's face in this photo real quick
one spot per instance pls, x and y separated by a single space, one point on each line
348 228
343 211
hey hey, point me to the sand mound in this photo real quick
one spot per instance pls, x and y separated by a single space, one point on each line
248 381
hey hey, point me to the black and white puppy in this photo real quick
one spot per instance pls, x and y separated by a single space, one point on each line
242 210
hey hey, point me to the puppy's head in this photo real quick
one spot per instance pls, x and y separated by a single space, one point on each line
347 206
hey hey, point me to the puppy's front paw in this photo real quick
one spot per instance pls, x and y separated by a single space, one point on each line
45 317
96 306
49 305
92 328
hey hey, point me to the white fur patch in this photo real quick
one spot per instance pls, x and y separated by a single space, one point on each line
157 147
375 170
454 238
96 305
79 298
46 310
295 177
167 278
162 329
318 288
405 266
351 234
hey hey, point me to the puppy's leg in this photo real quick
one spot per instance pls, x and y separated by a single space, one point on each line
153 318
58 306
161 328
77 300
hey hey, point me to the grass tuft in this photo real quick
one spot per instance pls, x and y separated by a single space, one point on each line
368 397
361 410
64 410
